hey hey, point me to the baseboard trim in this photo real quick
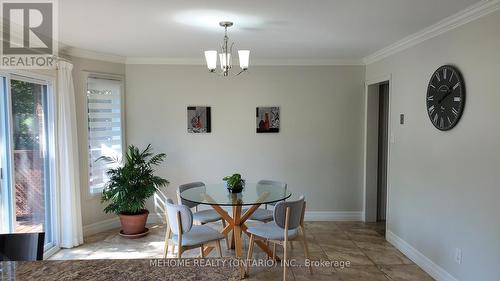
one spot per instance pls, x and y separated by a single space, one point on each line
434 270
332 216
114 222
94 228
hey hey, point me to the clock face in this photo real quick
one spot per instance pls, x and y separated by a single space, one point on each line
445 97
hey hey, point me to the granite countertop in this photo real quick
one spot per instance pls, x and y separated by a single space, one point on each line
145 269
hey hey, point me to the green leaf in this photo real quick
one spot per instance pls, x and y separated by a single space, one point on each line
133 182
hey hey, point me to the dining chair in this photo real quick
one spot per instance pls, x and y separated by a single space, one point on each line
288 225
199 217
21 246
266 215
182 232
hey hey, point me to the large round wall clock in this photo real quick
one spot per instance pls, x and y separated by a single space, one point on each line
445 97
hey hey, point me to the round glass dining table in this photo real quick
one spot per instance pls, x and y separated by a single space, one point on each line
252 196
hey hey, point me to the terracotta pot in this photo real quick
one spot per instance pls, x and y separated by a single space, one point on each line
134 224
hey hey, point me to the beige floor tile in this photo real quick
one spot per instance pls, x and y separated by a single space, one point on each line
387 257
327 236
363 237
318 274
355 257
362 273
339 244
405 273
358 243
374 245
268 273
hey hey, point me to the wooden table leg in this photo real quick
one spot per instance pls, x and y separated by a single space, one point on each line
232 245
233 236
237 237
237 230
237 225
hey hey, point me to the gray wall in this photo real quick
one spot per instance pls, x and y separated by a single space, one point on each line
318 150
371 158
444 186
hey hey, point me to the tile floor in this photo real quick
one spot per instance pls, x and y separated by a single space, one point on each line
371 257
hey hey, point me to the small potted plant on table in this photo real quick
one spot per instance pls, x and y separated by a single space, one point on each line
234 183
131 182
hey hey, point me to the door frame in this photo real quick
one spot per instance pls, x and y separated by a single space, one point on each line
6 156
368 83
48 79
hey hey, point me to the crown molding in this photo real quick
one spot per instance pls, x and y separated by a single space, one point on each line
271 62
309 62
472 13
88 54
164 60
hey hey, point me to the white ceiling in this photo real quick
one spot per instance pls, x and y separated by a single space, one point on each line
274 29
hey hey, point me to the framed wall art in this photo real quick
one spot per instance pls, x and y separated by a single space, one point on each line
268 119
199 119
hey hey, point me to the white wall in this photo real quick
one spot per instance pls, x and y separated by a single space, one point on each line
318 151
92 209
444 186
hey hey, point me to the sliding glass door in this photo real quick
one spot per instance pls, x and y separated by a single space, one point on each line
5 207
27 157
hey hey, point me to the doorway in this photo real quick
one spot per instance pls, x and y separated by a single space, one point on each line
26 157
376 151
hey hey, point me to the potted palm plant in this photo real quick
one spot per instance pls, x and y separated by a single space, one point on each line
132 181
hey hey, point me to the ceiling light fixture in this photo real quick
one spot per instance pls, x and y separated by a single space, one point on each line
225 55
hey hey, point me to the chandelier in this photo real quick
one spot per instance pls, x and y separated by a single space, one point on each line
225 55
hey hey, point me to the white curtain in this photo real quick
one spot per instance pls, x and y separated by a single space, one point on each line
71 232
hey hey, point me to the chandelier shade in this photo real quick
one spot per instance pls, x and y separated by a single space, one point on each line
225 61
225 55
211 58
244 56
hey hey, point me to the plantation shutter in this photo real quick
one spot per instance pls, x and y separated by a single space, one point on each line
105 127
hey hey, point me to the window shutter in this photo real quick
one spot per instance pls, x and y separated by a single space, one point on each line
105 127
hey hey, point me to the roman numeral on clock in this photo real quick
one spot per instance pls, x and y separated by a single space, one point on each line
445 97
431 109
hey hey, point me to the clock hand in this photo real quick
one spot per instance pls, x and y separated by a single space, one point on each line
446 95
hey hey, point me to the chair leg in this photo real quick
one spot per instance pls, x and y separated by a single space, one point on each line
306 247
227 236
274 251
219 250
201 251
167 238
285 246
179 251
250 252
267 244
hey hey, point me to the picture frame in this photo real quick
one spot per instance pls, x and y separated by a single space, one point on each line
199 119
268 119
